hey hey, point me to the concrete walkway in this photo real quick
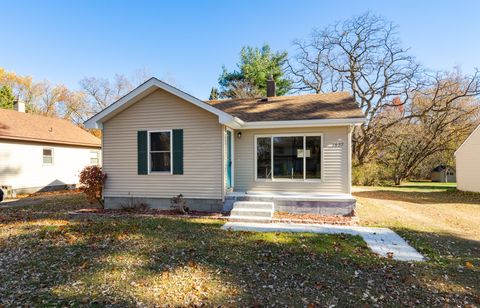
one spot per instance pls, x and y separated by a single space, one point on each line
381 241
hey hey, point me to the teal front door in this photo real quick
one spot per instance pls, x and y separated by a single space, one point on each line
229 161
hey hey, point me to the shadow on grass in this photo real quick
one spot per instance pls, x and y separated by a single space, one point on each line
128 261
431 197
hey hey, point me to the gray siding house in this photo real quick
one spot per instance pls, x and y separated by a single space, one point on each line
159 142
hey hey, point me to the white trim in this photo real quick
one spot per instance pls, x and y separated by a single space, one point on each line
97 152
349 159
469 136
303 123
152 84
232 149
171 151
304 135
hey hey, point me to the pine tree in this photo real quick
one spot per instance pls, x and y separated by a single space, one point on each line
6 97
255 66
213 94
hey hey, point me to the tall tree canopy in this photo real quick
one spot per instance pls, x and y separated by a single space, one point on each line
255 66
362 55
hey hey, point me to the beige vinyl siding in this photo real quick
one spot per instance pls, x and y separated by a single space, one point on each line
161 110
468 163
334 163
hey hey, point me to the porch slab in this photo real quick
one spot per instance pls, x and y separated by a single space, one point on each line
301 203
382 241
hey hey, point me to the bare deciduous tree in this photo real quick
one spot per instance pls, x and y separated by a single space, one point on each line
439 116
362 55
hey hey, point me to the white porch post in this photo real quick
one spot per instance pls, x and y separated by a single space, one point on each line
349 158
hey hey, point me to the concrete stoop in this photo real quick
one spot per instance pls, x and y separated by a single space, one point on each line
252 211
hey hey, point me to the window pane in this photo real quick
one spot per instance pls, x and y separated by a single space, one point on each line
313 157
288 157
160 161
47 159
264 158
47 156
94 157
160 141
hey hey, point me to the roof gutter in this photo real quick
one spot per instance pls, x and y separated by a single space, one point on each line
302 123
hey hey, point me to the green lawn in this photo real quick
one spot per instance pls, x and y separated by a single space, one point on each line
48 260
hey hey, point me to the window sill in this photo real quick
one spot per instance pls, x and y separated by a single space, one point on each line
160 172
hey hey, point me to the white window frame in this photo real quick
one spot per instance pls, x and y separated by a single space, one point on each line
53 156
304 135
97 152
170 131
232 151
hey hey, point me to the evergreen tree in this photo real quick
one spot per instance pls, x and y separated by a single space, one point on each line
213 94
254 68
6 97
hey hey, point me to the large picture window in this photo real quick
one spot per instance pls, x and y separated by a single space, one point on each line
289 157
160 153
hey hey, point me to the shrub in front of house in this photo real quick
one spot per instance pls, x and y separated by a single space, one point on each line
92 179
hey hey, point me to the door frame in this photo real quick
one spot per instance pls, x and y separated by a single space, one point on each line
232 157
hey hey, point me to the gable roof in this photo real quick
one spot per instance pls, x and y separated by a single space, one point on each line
335 105
31 127
468 138
337 108
145 89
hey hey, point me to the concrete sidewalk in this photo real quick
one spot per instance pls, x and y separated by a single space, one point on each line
381 241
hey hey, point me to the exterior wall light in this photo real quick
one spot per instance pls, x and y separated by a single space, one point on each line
239 135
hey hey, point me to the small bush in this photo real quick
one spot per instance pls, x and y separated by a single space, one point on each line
134 205
370 174
179 204
92 179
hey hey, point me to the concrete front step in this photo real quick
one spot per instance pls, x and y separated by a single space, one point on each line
236 218
251 212
253 205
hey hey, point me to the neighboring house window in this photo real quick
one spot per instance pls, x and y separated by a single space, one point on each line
47 156
94 157
289 157
160 151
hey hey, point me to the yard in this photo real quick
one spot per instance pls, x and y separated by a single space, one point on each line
48 259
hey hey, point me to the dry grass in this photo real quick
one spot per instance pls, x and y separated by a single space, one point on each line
46 259
438 220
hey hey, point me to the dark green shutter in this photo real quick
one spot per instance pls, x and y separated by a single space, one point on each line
142 152
177 151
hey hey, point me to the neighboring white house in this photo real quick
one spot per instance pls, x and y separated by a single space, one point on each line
159 142
468 163
39 153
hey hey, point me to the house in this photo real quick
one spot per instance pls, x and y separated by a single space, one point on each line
295 151
39 153
443 173
467 163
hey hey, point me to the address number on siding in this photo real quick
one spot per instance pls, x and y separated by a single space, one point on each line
337 145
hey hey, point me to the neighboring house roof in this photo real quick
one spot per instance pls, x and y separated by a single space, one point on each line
335 105
31 127
442 168
281 111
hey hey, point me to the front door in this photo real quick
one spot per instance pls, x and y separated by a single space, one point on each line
228 160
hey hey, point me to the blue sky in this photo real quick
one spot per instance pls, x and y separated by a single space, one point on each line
189 41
